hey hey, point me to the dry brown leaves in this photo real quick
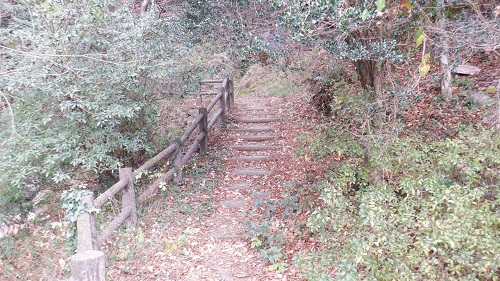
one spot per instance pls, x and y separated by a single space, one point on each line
215 246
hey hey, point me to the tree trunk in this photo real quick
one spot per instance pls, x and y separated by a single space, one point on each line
446 79
144 6
365 75
370 75
445 67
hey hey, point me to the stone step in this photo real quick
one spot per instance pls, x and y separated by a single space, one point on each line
257 108
255 138
241 186
252 172
256 129
253 147
252 158
257 120
234 203
221 235
255 114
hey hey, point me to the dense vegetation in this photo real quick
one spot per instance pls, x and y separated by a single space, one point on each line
400 207
410 192
411 189
80 85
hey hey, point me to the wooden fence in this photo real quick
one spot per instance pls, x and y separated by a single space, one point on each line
89 263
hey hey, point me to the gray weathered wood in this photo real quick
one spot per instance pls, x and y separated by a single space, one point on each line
256 129
243 186
113 225
257 108
128 195
252 172
214 101
255 138
231 92
153 188
256 120
144 6
224 83
214 119
178 165
101 199
198 99
167 152
465 69
253 147
88 266
223 107
211 81
193 147
85 225
234 203
191 128
203 128
252 158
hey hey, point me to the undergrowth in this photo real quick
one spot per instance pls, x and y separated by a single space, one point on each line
270 220
398 202
34 249
174 207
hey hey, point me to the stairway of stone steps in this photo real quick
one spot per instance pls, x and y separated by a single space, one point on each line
257 152
250 141
256 128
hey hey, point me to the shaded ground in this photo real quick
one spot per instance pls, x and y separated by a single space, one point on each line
196 230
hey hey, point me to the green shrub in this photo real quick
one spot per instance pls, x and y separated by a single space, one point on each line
79 93
432 215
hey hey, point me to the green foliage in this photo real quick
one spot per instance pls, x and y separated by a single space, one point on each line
267 240
338 97
268 243
361 31
77 78
400 208
71 202
244 29
432 215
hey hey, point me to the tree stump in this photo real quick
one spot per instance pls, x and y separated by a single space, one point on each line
88 266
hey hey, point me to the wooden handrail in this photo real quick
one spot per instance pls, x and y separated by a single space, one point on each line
99 201
192 148
154 187
167 152
214 102
113 225
191 128
214 119
87 239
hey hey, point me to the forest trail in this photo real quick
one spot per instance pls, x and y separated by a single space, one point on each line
257 148
253 145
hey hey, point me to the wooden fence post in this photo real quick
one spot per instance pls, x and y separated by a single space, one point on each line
223 107
199 102
85 225
178 164
203 128
231 92
88 266
128 195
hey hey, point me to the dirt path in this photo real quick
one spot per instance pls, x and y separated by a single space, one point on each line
252 144
258 150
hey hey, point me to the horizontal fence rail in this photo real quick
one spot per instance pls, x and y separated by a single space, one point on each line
89 263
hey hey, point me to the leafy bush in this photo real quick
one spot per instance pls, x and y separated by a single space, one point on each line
360 31
433 213
76 80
